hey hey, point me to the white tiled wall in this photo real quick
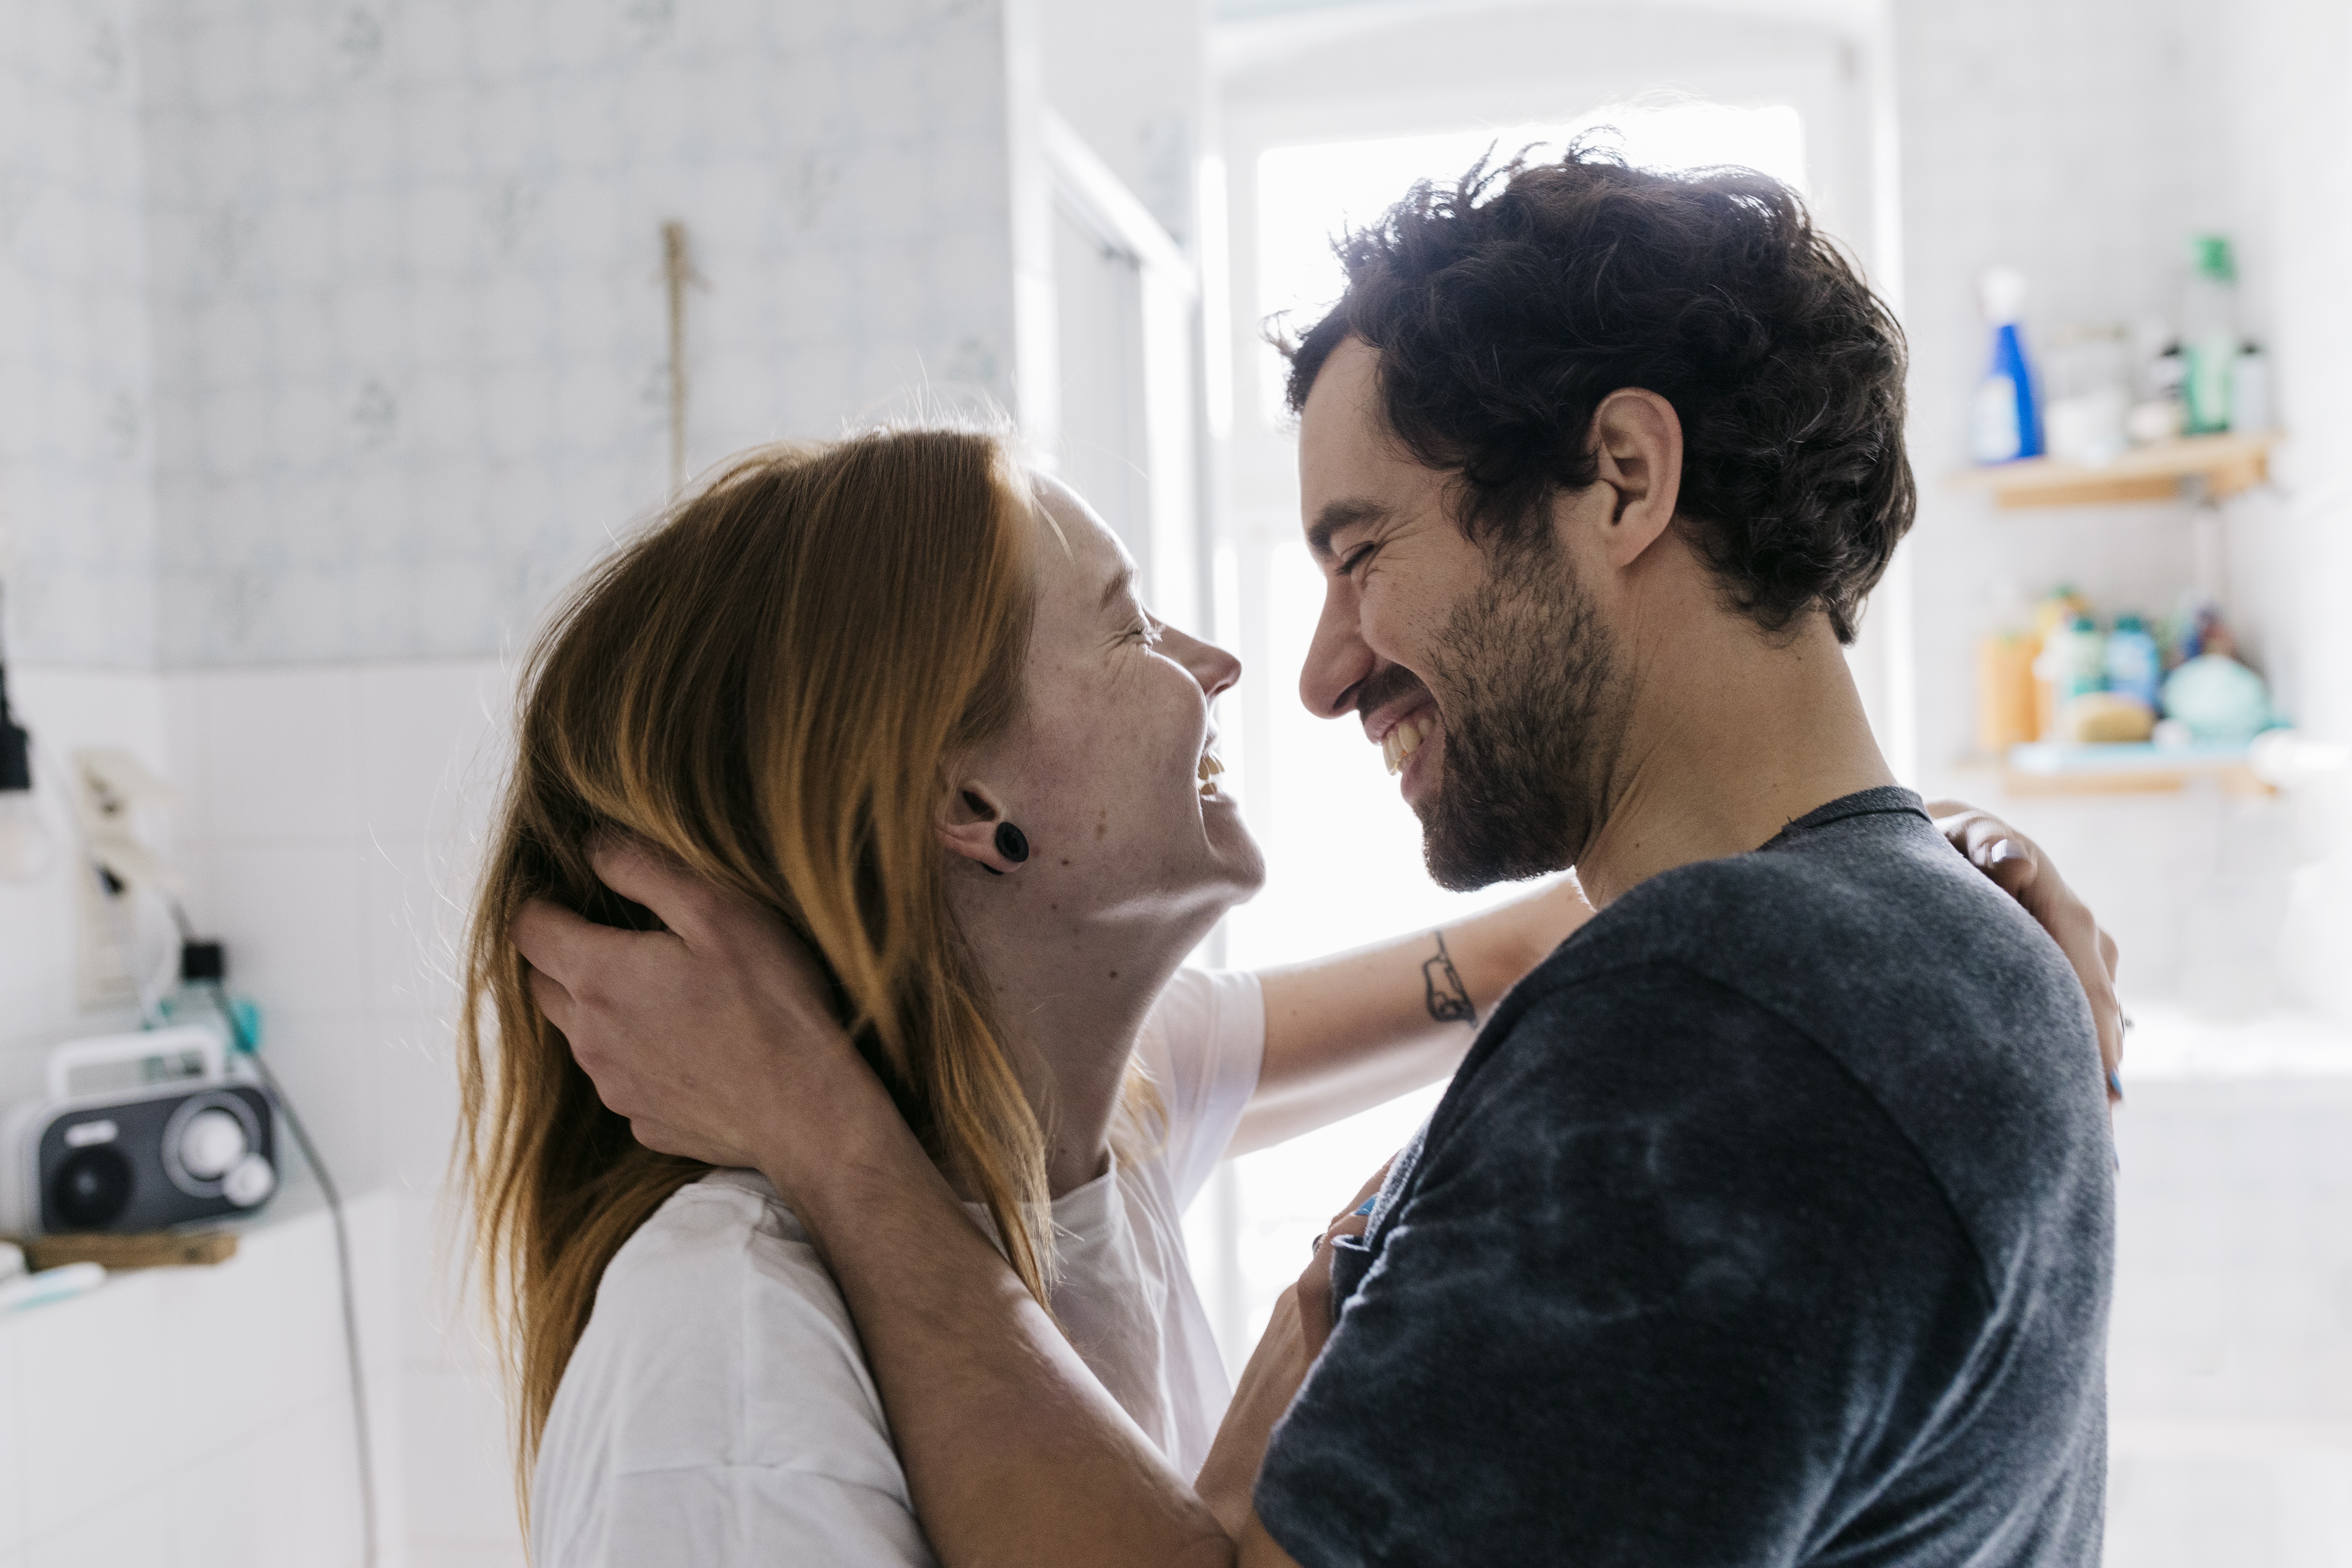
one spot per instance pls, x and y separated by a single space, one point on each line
327 829
76 513
2231 1350
397 268
409 317
334 817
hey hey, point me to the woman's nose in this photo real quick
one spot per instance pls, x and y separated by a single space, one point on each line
1211 666
1337 660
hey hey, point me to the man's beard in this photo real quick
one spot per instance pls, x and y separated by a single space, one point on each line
1533 717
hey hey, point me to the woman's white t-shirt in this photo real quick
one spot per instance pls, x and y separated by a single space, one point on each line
718 1412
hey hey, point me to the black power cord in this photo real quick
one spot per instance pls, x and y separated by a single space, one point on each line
203 963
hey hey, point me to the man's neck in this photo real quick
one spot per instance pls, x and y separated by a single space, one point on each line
1070 998
1731 737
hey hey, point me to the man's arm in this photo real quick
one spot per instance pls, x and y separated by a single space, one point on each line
1014 1452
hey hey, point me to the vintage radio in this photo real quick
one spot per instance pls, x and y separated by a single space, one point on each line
139 1133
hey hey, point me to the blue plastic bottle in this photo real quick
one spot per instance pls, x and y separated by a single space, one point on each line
2005 417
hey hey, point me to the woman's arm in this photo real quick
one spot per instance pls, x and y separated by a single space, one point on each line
1347 1032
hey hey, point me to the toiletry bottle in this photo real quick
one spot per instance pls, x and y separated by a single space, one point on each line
2004 417
2005 696
2052 617
2073 663
2005 674
2250 390
2086 379
2135 667
2208 333
2078 660
198 997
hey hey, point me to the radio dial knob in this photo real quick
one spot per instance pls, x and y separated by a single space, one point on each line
211 1145
249 1181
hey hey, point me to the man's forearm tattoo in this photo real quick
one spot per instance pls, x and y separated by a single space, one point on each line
1448 998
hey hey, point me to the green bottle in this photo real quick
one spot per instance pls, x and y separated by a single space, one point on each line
2208 333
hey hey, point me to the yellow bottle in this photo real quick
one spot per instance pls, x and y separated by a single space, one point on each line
2005 691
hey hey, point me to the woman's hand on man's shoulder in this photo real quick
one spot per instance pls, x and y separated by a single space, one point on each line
2023 870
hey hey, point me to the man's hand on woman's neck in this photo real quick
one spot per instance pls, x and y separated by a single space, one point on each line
714 1038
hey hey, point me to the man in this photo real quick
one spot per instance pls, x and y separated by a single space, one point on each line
1770 1220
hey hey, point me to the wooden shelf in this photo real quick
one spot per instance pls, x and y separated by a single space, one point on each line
2227 465
151 1249
2045 769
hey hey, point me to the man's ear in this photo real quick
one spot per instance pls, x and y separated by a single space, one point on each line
1637 444
968 824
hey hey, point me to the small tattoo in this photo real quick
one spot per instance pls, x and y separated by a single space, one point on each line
1448 999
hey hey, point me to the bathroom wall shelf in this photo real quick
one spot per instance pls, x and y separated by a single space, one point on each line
2041 769
2226 464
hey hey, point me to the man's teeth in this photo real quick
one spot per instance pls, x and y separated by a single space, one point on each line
1405 739
1209 768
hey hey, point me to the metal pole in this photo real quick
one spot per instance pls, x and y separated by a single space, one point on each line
677 271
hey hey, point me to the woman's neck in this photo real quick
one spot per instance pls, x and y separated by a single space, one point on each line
1071 995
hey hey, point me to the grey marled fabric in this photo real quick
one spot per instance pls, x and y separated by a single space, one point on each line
1770 1221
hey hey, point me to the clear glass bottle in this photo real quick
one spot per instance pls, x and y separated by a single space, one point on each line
2208 333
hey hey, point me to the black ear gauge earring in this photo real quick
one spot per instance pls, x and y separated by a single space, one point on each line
1012 843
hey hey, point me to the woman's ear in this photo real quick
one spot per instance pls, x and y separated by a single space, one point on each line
969 825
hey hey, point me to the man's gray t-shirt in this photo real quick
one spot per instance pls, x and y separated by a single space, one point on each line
1770 1221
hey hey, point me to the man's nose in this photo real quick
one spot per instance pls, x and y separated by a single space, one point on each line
1337 660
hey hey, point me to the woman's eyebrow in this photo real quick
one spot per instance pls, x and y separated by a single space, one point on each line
1120 581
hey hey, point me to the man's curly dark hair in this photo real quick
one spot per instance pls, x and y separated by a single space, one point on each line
1506 307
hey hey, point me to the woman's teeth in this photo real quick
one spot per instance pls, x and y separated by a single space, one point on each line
1209 768
1405 739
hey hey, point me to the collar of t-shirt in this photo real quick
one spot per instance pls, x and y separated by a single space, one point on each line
1879 800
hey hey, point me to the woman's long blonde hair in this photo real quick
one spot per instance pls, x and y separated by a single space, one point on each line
770 685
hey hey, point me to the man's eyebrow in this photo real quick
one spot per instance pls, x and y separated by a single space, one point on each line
1120 580
1336 515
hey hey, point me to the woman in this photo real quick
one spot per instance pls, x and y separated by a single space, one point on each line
903 695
